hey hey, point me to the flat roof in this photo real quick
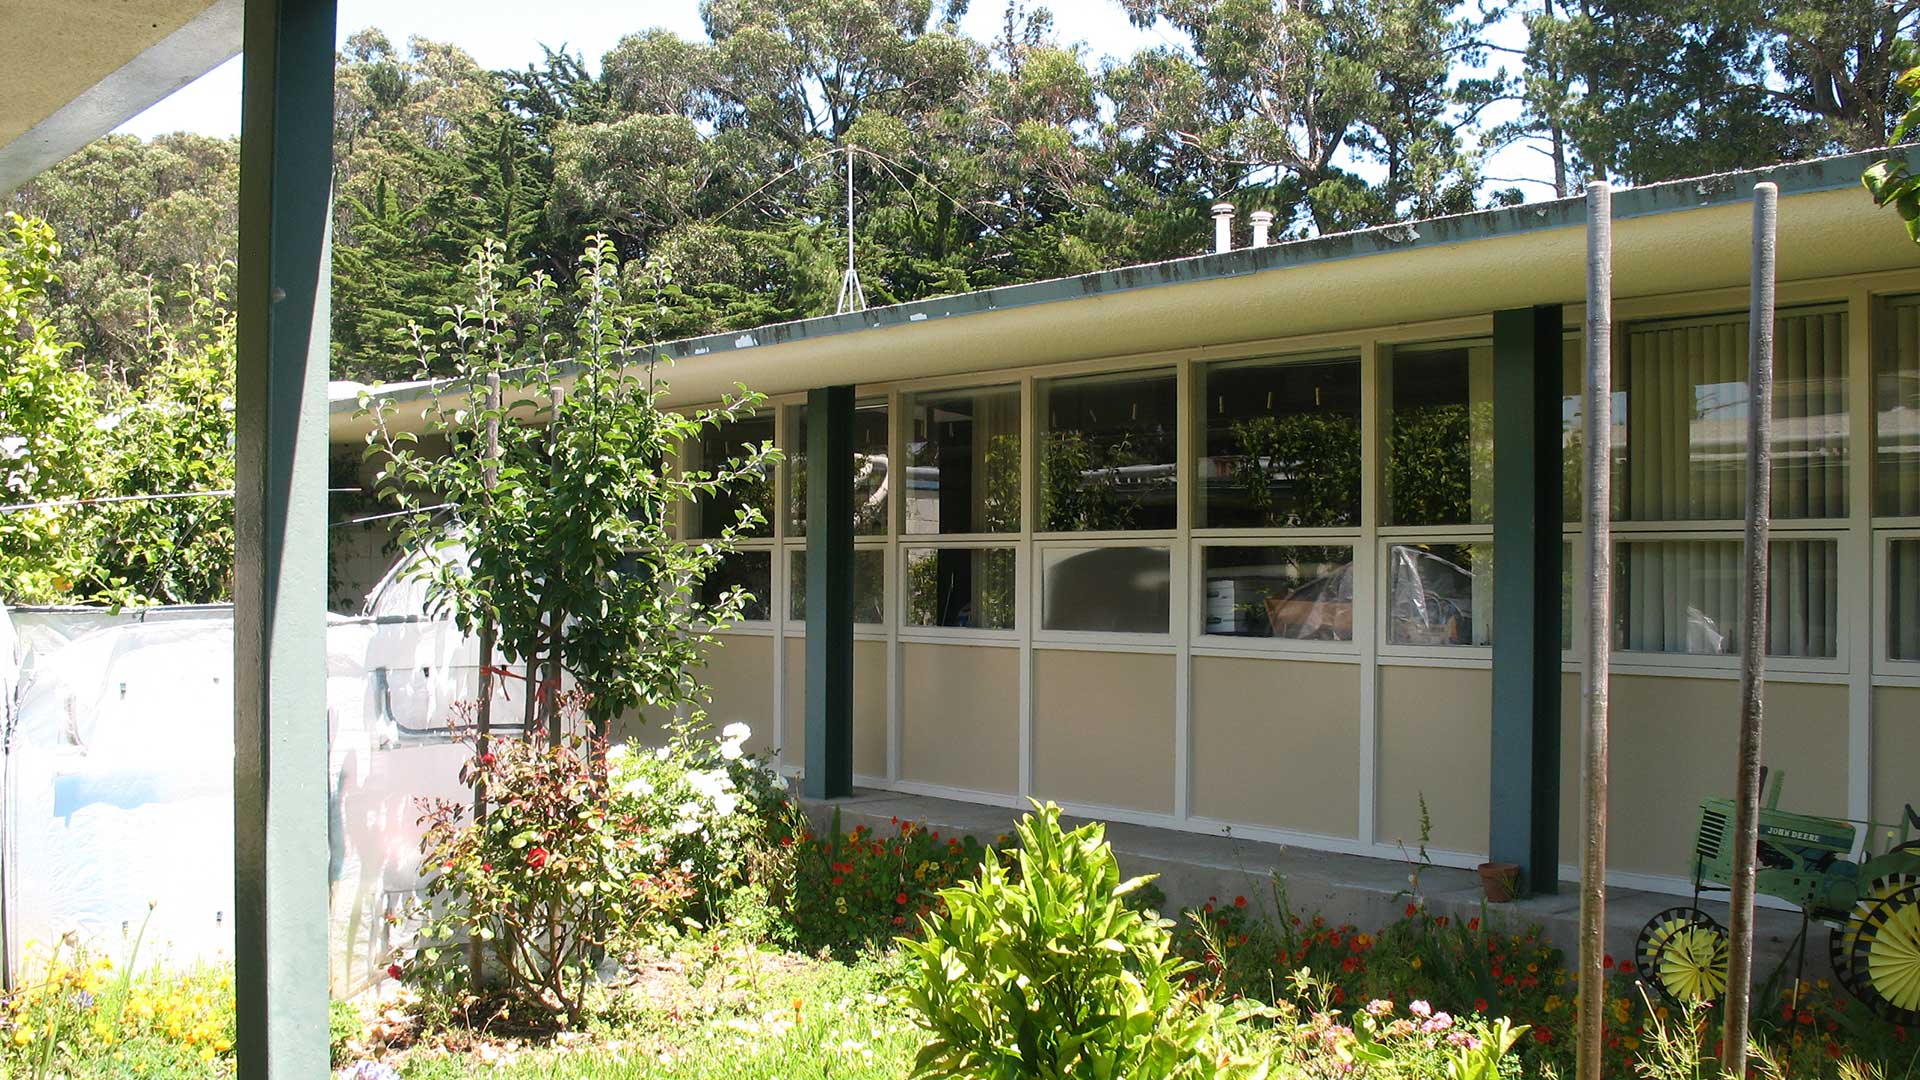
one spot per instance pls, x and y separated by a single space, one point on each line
1675 236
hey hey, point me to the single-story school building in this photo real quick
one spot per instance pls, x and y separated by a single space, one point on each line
1280 539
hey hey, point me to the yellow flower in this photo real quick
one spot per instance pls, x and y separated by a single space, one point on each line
1415 963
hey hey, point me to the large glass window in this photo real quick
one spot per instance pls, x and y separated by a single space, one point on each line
1105 589
1302 593
711 451
1107 452
1440 594
1903 599
749 570
1685 596
960 586
1282 444
869 585
1896 406
1440 436
1684 384
869 469
963 461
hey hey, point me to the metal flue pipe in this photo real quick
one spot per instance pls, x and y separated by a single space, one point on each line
1222 227
1753 627
1262 227
1598 449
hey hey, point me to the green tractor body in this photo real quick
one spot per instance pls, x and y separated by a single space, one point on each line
1825 867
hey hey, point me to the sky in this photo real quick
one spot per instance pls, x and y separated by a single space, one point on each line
499 34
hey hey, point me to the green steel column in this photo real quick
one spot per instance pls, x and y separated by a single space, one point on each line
1526 594
829 593
280 524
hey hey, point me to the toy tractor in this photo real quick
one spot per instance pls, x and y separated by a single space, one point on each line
1820 865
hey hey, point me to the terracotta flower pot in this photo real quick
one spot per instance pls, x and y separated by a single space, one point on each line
1498 880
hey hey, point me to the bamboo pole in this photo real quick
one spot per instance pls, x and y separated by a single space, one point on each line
483 718
1599 455
1753 642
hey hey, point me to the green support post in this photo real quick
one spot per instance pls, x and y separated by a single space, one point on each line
829 593
280 846
1526 595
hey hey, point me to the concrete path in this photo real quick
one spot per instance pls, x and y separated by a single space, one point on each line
1367 892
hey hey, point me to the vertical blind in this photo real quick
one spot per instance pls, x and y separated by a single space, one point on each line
1684 596
1903 595
1685 386
1896 405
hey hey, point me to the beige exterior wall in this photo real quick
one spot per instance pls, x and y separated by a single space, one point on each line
1896 753
1435 735
869 706
739 672
1277 742
960 727
1672 744
1103 728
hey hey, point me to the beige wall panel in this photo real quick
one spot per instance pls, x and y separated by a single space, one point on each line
1103 728
739 673
1896 753
960 722
869 706
1673 742
1277 742
1435 735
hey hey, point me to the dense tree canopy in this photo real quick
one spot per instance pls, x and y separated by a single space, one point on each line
716 165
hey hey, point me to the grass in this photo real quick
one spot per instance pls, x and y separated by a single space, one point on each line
738 1013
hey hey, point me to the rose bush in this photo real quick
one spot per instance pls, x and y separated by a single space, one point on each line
848 891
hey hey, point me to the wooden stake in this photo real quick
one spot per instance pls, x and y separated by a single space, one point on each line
1753 636
1598 448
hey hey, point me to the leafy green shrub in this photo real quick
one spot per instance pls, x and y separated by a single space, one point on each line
1040 969
848 891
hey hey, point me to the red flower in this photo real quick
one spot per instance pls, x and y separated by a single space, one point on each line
393 971
837 879
1239 901
1542 1036
1339 994
1440 922
1805 1017
487 758
486 868
1473 923
537 857
1833 1051
1412 910
1350 964
900 898
1607 961
1479 1005
1626 968
899 920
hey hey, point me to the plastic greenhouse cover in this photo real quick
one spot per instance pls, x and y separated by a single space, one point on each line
118 786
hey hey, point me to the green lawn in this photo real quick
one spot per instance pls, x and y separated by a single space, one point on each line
739 1013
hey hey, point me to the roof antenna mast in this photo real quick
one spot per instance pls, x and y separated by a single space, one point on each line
852 296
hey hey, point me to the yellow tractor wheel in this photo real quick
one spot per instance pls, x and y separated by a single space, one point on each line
1886 956
1682 952
1843 941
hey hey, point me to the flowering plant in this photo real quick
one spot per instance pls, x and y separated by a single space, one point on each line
850 890
544 881
75 1006
702 807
